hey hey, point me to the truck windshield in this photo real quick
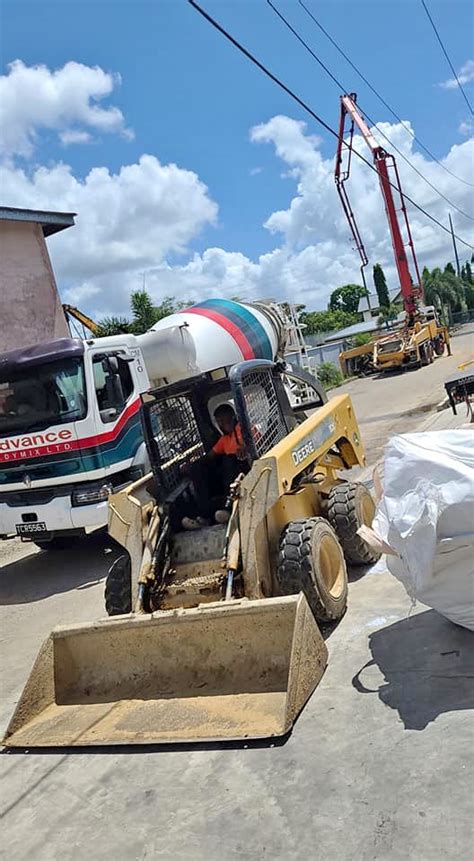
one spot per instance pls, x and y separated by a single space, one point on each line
40 396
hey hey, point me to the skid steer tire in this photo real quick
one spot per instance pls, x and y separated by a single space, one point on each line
118 587
349 507
311 560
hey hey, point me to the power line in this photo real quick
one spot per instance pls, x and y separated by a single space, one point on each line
309 110
381 98
371 121
447 57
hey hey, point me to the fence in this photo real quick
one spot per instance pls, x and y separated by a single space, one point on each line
461 317
323 353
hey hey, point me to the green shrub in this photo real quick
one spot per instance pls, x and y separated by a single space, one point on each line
361 339
329 375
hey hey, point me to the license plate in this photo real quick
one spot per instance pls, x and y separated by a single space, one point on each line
30 528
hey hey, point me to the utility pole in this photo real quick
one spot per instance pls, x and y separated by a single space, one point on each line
458 270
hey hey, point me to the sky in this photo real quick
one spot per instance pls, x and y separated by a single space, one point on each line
192 173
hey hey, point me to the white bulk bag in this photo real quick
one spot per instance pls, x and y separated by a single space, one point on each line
426 517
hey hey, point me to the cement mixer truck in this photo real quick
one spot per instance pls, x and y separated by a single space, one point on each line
70 427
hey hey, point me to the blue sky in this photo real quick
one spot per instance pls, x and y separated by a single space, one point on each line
191 99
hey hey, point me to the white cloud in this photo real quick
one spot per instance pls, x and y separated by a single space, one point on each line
74 136
254 171
466 127
316 253
127 222
34 98
138 219
465 75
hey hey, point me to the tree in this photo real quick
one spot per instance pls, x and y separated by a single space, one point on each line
444 289
143 312
468 281
467 273
388 314
112 326
326 321
329 375
450 268
346 298
144 315
381 287
361 339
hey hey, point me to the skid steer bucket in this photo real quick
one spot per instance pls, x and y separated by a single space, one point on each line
242 669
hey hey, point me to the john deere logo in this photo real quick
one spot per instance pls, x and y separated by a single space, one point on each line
312 442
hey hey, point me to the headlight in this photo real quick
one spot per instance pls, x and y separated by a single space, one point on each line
91 495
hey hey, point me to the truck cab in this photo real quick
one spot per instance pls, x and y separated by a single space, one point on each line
70 432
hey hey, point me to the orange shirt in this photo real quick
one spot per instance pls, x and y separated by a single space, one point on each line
229 443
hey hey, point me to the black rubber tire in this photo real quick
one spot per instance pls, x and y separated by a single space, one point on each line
54 544
345 514
300 570
439 345
118 587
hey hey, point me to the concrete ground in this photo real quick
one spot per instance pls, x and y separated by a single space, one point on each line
378 766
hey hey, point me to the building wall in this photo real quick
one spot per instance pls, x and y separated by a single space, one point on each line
30 307
323 353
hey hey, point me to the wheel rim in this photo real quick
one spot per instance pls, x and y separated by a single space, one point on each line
367 510
331 565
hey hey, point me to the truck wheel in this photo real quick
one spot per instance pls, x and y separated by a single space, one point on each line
311 560
439 345
118 587
349 507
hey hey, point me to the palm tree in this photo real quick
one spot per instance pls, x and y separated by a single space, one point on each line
443 289
112 326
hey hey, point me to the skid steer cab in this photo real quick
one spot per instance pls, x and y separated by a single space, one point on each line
214 632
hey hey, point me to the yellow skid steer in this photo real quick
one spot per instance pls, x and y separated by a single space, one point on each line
213 634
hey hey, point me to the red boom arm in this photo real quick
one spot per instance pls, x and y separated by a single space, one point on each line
383 161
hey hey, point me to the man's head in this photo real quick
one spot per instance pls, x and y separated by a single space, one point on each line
225 418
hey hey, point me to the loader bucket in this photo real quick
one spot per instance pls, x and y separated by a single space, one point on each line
230 670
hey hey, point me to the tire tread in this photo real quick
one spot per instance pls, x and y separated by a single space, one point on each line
342 515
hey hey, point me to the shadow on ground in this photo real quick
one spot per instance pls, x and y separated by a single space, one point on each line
50 572
428 666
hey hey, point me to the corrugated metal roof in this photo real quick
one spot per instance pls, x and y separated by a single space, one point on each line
355 329
51 222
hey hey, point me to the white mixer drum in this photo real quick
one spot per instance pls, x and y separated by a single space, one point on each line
212 334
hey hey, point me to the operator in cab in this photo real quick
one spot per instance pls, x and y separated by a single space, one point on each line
213 474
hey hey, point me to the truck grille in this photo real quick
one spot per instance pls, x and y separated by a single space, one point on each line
18 499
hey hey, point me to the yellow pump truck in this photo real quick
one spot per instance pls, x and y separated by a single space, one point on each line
213 634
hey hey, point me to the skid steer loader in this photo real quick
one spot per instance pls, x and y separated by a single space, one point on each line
213 634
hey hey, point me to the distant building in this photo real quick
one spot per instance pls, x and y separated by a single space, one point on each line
369 305
356 329
30 306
